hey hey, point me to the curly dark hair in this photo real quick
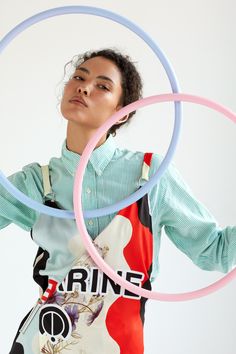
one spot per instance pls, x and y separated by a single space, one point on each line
131 81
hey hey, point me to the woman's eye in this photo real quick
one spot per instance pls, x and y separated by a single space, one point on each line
77 77
103 87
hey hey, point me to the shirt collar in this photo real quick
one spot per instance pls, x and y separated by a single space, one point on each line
99 158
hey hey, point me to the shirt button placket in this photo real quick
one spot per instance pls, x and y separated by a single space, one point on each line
88 191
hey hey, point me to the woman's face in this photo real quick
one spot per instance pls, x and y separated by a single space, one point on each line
93 93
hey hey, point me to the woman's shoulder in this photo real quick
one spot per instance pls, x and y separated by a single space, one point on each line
29 171
136 155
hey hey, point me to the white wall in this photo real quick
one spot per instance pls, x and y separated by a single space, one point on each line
199 39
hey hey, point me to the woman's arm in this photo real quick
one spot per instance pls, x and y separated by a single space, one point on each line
11 210
190 225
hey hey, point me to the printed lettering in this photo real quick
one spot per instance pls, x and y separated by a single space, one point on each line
95 282
131 277
106 281
78 276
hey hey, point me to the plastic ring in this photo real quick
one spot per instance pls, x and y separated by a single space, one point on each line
78 207
174 85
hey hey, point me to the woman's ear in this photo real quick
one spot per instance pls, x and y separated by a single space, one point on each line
123 120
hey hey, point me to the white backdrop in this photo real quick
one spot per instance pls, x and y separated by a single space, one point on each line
199 39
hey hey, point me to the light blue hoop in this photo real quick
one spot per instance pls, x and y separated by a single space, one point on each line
174 85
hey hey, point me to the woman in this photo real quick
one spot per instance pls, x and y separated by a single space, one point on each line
85 312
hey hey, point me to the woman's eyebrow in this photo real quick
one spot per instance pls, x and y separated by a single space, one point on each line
103 77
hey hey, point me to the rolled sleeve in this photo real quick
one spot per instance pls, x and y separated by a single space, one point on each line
29 182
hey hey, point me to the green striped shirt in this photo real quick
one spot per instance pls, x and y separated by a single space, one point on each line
111 175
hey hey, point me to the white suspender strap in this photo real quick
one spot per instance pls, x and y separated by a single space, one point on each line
145 172
47 189
146 165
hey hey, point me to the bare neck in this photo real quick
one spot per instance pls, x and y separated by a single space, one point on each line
77 138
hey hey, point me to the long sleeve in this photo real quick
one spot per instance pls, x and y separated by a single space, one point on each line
11 210
190 226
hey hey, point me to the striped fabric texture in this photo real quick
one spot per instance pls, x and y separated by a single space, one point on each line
111 175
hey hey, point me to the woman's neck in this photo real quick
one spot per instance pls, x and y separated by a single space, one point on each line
77 138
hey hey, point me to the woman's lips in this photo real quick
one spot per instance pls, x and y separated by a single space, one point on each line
79 101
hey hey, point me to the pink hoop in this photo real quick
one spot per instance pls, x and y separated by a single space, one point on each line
78 190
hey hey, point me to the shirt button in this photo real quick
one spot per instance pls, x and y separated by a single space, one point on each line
90 222
88 190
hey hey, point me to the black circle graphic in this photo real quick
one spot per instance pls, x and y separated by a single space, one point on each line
54 322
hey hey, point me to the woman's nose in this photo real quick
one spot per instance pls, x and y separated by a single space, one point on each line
82 90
